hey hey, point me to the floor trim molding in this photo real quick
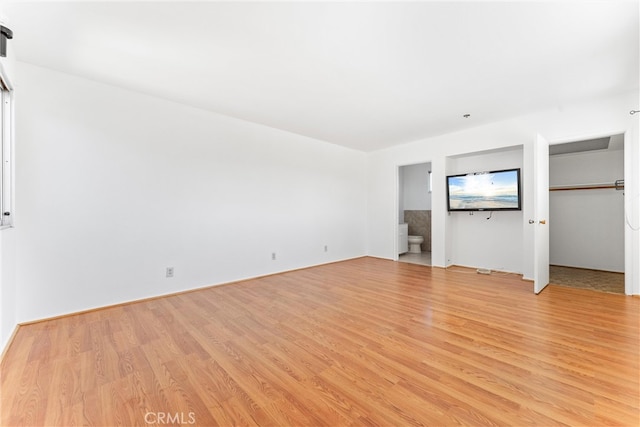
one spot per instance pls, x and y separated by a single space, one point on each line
140 300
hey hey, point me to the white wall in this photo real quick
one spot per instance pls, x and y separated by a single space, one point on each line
8 286
587 226
415 180
606 116
114 186
494 243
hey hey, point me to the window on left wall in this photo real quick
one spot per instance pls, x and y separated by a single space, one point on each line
6 154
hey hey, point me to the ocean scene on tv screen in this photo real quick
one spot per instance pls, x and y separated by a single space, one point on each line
492 190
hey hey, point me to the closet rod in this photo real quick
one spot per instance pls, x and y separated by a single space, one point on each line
618 185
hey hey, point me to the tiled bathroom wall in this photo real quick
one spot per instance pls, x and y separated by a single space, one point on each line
420 225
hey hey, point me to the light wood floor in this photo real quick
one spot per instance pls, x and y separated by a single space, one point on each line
362 342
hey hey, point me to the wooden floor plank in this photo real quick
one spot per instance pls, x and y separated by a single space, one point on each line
360 342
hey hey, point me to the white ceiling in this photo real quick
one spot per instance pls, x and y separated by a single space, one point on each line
365 75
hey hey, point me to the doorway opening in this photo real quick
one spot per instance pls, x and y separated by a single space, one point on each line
414 213
586 212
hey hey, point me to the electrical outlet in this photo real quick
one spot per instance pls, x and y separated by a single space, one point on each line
273 256
169 271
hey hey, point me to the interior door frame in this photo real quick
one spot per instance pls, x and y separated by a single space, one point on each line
632 208
632 183
396 215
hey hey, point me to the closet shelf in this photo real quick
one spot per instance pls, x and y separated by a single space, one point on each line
618 185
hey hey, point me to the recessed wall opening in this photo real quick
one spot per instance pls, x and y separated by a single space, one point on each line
486 240
586 214
414 213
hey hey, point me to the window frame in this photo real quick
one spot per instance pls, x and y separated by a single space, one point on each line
6 152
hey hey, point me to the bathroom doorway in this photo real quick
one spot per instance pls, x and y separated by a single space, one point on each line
414 213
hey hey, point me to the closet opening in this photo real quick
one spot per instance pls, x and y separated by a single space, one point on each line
586 214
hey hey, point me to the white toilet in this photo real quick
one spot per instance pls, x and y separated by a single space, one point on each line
414 244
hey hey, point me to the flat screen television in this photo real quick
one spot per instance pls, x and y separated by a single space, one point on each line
485 191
